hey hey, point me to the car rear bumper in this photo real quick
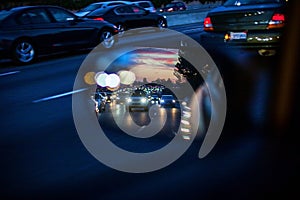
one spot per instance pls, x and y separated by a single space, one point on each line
254 40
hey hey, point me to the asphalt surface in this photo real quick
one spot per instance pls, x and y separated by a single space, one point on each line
42 156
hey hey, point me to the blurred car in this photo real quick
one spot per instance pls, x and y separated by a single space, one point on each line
26 32
122 97
174 6
93 6
147 5
256 24
167 100
127 17
154 99
138 100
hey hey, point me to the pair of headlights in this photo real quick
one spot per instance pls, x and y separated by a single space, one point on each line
142 100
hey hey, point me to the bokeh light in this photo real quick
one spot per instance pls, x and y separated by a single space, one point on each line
126 77
89 78
100 79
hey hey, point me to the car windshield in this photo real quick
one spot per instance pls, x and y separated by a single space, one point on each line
139 94
91 7
4 14
170 5
98 12
249 2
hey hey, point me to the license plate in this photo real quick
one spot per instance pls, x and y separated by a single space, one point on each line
238 35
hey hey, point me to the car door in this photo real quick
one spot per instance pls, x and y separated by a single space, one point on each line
71 32
141 17
124 15
36 24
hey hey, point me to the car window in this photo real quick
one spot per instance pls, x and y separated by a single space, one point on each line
249 2
34 16
61 15
139 93
170 5
23 19
124 10
144 5
138 10
115 3
100 11
91 7
4 14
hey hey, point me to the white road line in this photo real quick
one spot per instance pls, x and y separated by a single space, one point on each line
59 95
9 73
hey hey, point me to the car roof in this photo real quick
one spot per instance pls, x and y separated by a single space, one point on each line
107 9
108 2
21 8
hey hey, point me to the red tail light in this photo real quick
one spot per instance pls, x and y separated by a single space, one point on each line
99 19
277 21
207 24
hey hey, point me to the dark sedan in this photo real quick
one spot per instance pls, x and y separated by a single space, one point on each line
26 32
255 24
127 17
174 6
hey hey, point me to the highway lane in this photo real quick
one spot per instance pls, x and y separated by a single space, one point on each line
43 157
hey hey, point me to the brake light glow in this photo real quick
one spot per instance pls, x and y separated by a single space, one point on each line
277 21
207 24
99 19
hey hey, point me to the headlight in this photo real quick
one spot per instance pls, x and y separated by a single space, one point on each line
173 101
129 100
143 100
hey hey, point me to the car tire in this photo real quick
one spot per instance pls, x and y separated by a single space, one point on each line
107 39
161 24
24 52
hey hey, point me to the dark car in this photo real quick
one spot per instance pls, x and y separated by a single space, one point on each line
167 100
26 32
174 6
138 100
93 6
127 17
256 24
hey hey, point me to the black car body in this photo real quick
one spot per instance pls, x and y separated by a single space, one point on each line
26 32
256 24
127 17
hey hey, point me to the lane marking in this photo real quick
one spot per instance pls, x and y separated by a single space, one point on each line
59 95
9 73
